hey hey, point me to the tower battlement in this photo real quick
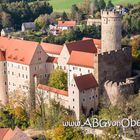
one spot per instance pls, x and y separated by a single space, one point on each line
113 53
107 13
120 85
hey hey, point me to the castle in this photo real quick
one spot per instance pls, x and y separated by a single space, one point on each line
94 68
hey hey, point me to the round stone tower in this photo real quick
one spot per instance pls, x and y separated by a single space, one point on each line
3 79
111 30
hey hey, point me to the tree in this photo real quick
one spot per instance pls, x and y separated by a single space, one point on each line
6 19
85 7
110 4
102 4
58 79
96 4
12 117
64 16
42 21
74 10
126 24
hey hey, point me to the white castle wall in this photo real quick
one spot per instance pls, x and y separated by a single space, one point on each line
3 83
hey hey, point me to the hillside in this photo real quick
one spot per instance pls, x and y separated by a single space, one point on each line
65 5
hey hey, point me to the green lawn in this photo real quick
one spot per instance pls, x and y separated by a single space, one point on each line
65 5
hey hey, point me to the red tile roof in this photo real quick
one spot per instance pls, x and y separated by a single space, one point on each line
19 51
86 82
82 45
51 89
52 48
66 23
82 59
97 42
3 132
17 134
52 60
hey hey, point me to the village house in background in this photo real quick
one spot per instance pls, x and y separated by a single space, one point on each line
61 26
93 21
66 25
7 31
28 26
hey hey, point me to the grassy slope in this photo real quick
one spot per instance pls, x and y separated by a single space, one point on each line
65 5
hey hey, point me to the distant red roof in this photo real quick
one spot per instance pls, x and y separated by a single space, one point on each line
52 48
66 23
97 42
51 89
52 60
85 82
82 45
16 134
81 59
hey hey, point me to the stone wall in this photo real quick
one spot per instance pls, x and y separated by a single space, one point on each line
114 66
117 90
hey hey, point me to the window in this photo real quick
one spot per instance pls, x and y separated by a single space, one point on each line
93 97
96 96
12 73
8 72
39 58
89 98
73 68
22 75
73 92
12 65
88 71
83 100
9 83
79 69
73 100
73 107
71 84
35 68
25 68
19 74
26 77
5 83
18 66
22 68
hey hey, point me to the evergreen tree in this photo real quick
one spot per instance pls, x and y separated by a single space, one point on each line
96 5
110 4
102 4
74 10
64 16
